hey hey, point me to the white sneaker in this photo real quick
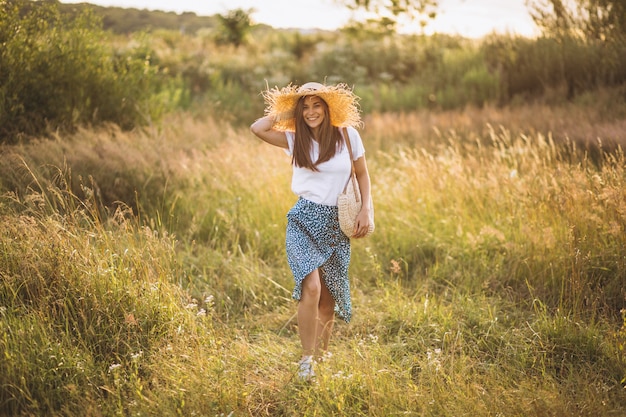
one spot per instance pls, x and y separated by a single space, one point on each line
305 368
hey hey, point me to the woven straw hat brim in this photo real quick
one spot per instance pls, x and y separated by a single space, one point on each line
343 105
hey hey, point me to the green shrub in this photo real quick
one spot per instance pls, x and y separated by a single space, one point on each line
532 68
63 73
84 307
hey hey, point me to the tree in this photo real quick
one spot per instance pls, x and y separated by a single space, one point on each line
390 11
235 26
603 20
371 28
58 72
591 39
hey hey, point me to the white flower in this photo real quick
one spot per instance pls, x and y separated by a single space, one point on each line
114 367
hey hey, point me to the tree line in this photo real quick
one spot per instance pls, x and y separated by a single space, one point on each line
62 66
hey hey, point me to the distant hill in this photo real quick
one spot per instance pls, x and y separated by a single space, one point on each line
121 20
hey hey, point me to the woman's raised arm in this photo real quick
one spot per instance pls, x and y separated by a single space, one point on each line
263 129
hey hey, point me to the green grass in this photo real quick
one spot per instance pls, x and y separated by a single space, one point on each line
144 274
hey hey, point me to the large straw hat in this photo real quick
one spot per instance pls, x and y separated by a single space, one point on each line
342 104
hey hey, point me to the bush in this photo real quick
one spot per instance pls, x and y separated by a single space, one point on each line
59 74
532 68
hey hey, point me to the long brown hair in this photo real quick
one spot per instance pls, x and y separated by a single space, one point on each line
330 139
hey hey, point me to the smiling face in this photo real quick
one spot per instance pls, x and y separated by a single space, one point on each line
314 112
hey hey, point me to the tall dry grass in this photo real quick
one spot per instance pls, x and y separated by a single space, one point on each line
158 285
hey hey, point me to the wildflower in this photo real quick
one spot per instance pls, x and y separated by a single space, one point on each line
130 319
433 359
342 375
114 366
395 267
209 301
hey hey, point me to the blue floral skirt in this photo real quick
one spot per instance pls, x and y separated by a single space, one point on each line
314 240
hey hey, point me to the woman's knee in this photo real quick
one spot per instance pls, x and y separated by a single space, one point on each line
311 286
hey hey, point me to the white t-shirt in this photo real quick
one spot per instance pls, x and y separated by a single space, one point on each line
325 185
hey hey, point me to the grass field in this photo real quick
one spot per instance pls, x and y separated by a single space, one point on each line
143 273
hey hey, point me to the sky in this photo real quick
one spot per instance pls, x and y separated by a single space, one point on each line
470 18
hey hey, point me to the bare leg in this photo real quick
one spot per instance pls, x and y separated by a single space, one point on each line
308 310
326 314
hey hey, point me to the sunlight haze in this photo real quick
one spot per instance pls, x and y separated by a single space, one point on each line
471 18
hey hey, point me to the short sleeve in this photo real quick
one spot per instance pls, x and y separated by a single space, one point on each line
358 150
290 141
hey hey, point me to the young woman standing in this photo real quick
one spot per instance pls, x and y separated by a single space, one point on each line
310 123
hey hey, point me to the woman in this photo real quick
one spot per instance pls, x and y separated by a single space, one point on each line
308 123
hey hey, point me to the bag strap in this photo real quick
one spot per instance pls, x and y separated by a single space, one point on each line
346 139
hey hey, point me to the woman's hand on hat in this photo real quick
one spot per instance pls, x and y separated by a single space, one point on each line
263 128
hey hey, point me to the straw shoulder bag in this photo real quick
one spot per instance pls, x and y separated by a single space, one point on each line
349 201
